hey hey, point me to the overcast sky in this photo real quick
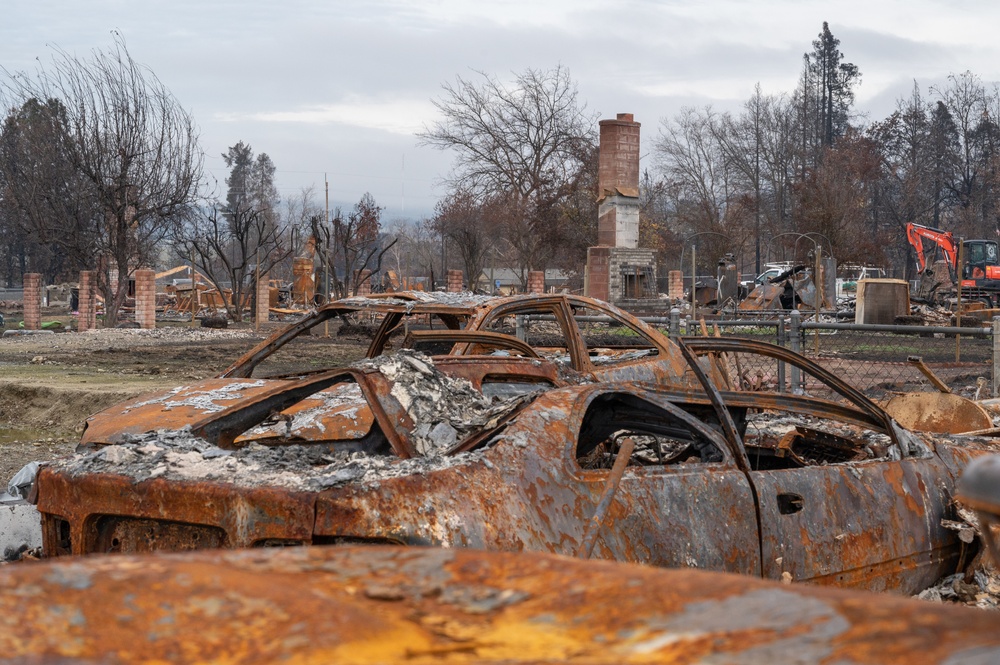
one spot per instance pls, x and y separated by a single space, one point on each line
340 88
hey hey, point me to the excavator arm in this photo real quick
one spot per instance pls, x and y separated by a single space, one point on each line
943 239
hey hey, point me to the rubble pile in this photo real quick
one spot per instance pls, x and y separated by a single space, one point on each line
178 455
770 427
460 299
129 339
444 409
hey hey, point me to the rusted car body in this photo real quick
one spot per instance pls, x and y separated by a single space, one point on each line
414 605
822 489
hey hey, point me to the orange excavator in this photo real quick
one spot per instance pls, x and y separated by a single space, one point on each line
979 275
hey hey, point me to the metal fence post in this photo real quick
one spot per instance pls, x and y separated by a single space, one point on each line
689 325
781 364
795 333
675 323
996 356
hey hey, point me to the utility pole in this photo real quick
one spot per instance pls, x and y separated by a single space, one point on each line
326 255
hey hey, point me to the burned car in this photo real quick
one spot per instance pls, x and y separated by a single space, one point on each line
822 486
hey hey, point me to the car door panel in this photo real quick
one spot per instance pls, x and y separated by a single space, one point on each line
872 525
697 515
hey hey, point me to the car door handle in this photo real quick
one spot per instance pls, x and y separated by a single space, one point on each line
789 503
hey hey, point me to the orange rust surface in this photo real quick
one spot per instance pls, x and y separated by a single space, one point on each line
356 605
944 413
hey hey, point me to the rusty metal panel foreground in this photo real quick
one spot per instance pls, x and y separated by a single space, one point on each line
389 605
875 526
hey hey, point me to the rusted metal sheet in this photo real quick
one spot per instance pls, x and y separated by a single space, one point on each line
171 409
379 605
939 412
871 525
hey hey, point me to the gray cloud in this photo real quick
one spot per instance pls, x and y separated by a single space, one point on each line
337 86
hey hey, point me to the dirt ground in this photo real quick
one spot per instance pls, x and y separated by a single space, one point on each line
50 383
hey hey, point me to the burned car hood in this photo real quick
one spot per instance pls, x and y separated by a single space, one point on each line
339 408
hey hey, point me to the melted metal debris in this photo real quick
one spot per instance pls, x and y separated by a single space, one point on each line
178 455
444 409
207 401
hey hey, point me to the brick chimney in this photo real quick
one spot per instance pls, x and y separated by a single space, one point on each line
618 180
618 167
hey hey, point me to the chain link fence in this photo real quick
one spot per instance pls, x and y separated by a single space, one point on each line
877 359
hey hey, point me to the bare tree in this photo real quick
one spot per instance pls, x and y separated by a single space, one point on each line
522 141
227 244
356 245
130 144
471 227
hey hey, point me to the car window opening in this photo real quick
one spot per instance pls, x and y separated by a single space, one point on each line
339 410
775 441
661 438
610 341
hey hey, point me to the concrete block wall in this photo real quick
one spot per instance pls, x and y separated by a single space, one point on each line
32 301
145 298
454 283
536 281
263 300
620 257
87 312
